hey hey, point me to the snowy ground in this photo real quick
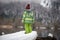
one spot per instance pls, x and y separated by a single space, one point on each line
19 36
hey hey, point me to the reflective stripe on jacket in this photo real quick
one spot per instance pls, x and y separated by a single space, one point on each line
28 17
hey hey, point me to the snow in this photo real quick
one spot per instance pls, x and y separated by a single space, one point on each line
19 36
44 4
50 34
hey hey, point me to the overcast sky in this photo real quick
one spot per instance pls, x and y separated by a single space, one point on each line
7 1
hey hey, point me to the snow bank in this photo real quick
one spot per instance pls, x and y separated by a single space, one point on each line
19 36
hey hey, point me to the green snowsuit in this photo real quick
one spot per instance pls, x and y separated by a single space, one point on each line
28 19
